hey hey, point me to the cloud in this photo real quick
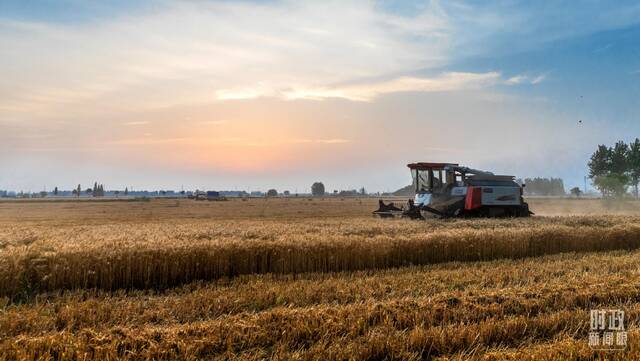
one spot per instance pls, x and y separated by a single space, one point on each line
480 26
213 122
137 122
366 92
603 48
242 93
524 79
148 140
516 79
450 81
197 52
332 141
538 79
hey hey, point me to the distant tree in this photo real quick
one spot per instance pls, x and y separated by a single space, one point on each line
599 164
363 191
78 190
609 169
55 191
633 158
611 184
126 191
317 189
544 186
272 193
286 193
43 194
619 161
576 191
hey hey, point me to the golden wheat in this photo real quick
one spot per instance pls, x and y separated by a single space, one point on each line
160 255
290 286
413 312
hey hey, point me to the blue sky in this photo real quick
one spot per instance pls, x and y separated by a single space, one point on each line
214 94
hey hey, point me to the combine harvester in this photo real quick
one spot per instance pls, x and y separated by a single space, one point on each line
448 190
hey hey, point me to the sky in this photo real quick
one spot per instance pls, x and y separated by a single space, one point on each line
254 95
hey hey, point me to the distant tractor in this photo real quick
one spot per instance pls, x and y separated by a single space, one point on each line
448 190
208 196
213 195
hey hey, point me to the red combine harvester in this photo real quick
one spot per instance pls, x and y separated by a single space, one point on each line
449 190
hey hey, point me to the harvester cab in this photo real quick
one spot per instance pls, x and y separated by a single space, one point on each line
449 190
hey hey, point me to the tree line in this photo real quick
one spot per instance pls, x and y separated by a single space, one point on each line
543 186
614 169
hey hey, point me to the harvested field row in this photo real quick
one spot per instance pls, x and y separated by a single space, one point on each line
95 211
160 257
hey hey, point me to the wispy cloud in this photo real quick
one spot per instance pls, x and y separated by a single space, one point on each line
366 92
196 52
149 140
603 48
538 79
137 122
525 79
333 141
451 81
213 122
320 141
516 79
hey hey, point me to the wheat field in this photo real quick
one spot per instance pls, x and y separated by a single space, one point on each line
310 278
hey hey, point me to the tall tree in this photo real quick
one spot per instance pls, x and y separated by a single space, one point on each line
619 161
633 159
609 169
78 190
